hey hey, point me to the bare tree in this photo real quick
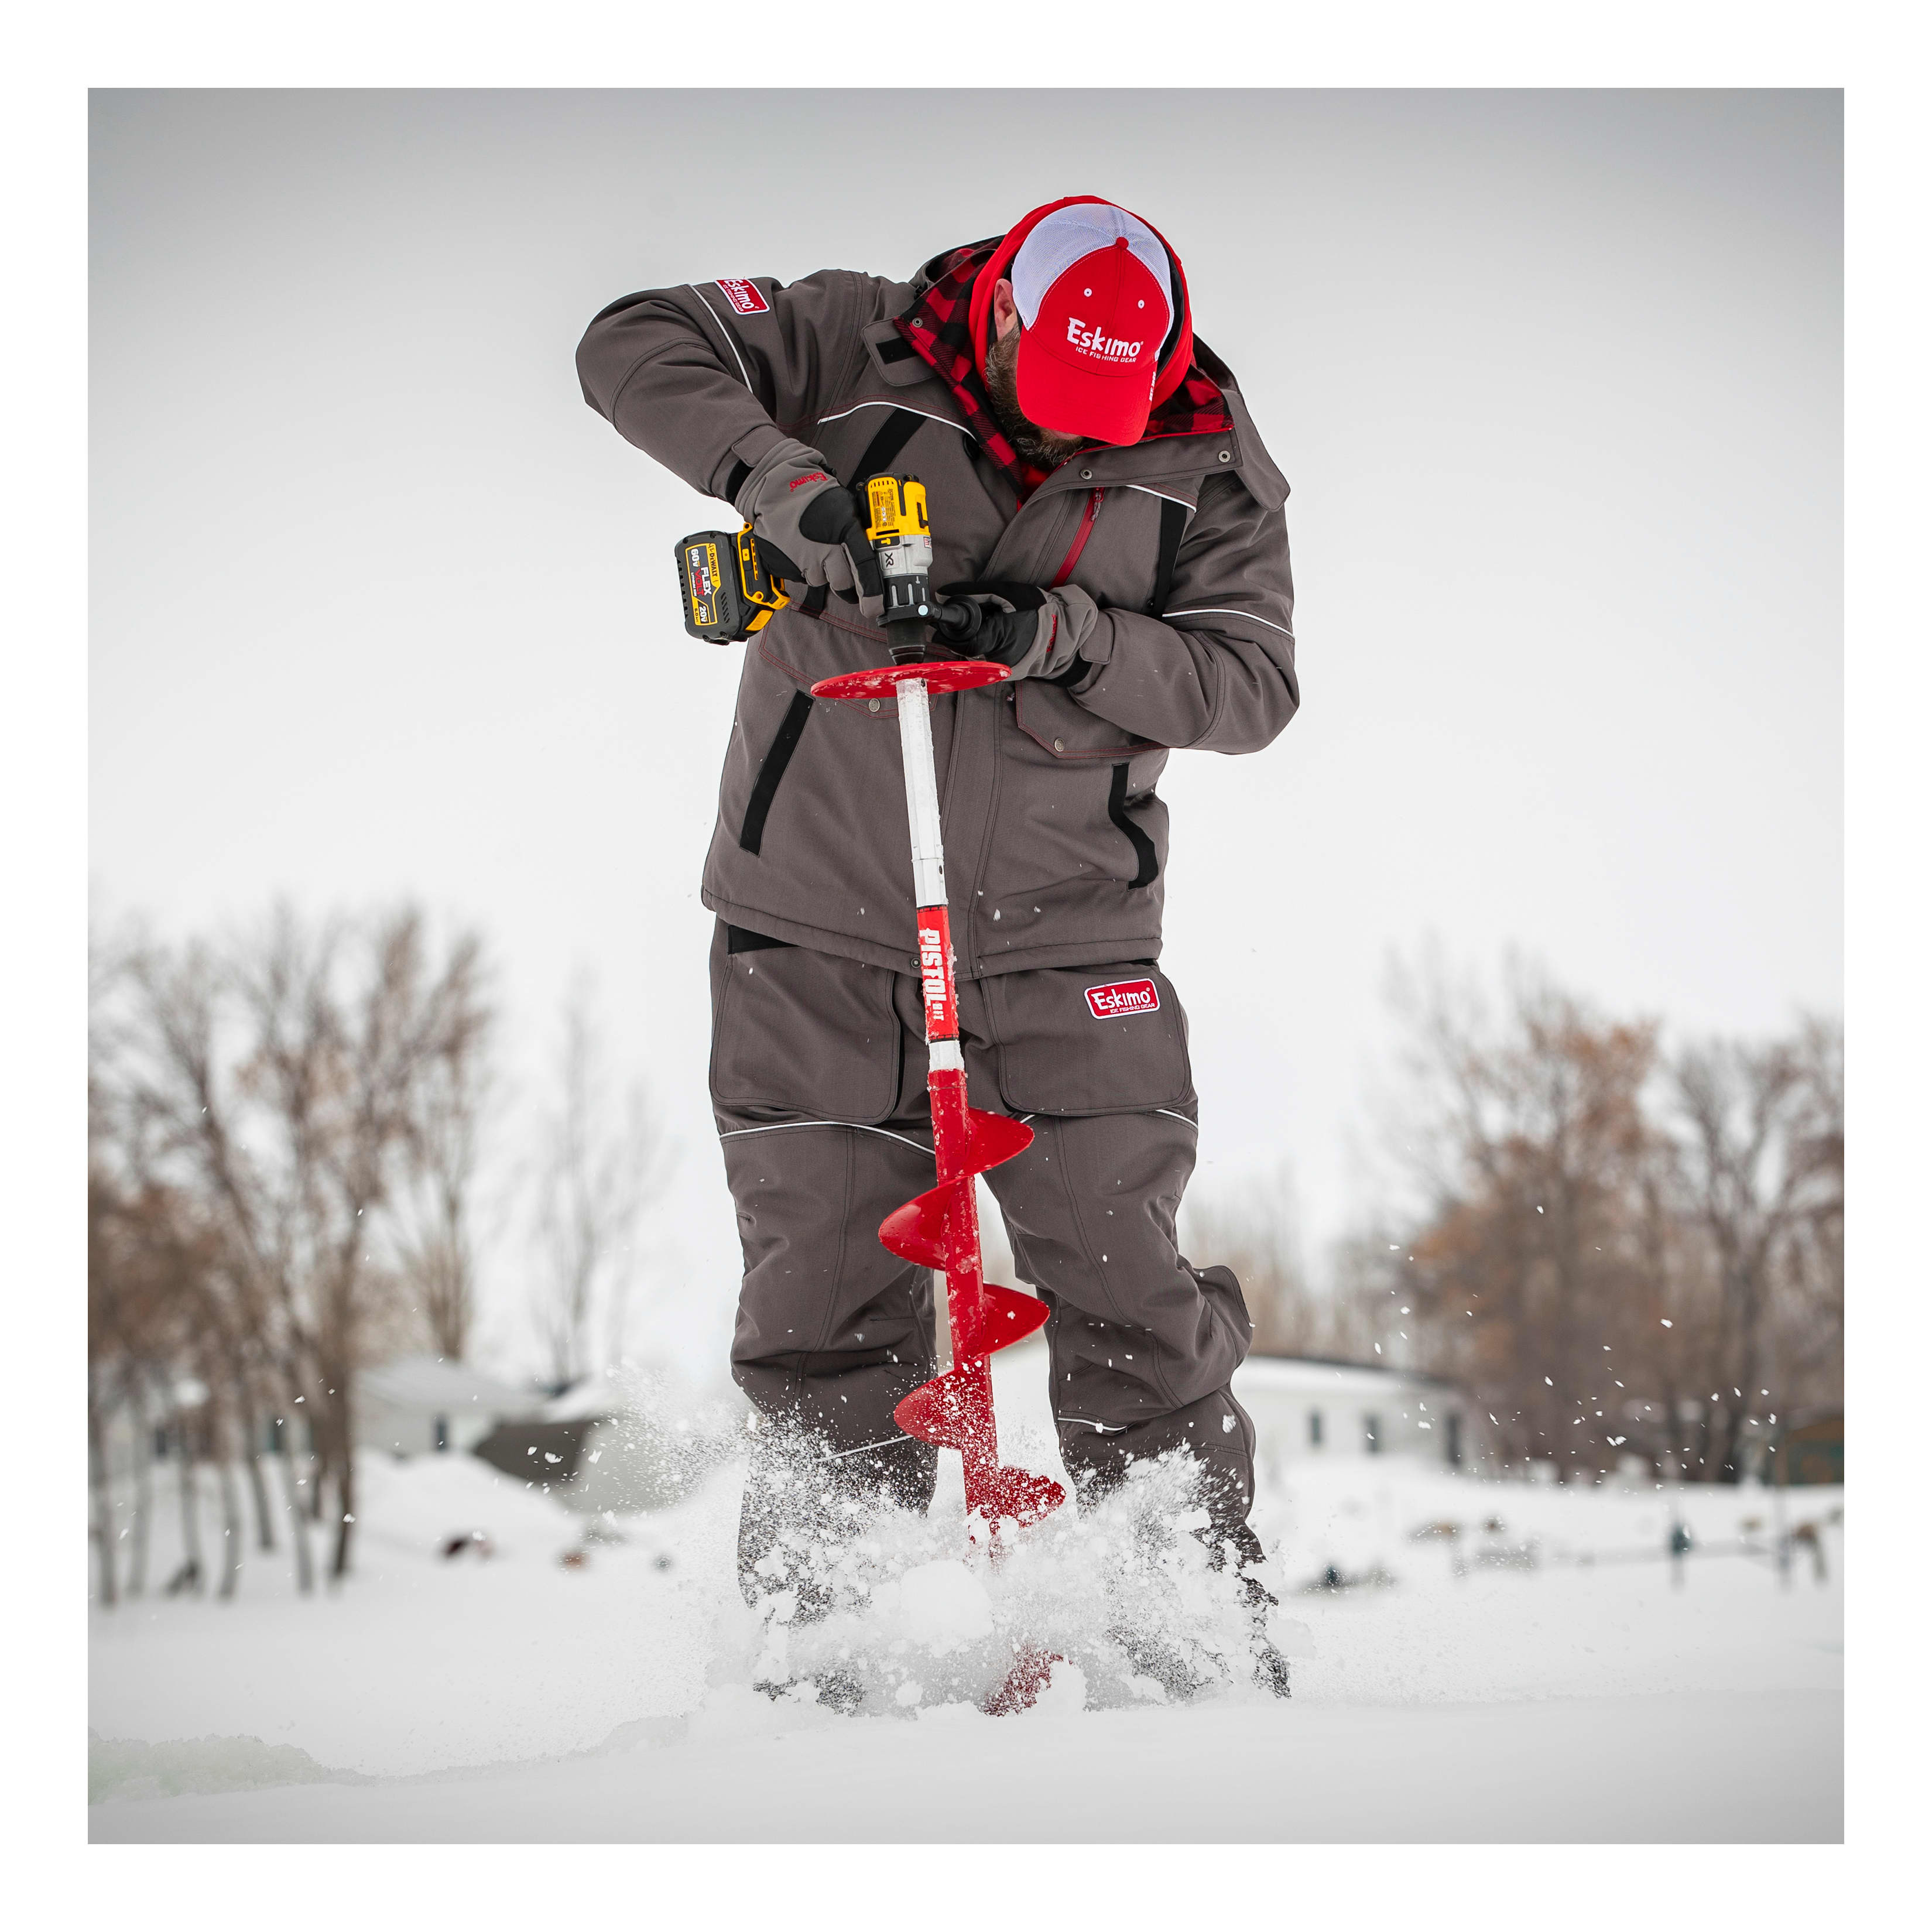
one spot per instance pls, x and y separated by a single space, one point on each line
192 1576
599 1164
1764 1153
141 1433
1369 1310
147 1276
1670 1338
1619 1254
101 1526
249 1428
1812 1271
221 1424
281 1083
109 1357
1527 1143
436 1244
1254 1229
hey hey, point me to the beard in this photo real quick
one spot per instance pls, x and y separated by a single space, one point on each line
1044 448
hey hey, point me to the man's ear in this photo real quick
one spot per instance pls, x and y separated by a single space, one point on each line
1006 311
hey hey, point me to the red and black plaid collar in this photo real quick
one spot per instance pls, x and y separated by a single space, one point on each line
940 330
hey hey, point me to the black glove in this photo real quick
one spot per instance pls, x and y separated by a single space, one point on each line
808 528
1036 633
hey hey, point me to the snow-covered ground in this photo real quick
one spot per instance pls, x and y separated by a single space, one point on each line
1548 1679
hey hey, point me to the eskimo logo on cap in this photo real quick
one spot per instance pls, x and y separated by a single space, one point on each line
1108 348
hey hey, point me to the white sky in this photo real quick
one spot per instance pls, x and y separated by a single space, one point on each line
379 607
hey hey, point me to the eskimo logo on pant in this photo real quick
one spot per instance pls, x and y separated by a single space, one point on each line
742 295
1122 997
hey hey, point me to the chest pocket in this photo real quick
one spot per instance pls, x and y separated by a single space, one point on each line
895 361
1119 546
1058 723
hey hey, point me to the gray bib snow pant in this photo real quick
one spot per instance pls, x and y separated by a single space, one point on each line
818 1073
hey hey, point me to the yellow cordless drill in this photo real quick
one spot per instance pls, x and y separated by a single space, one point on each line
730 591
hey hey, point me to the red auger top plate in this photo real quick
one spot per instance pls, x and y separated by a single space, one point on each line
949 674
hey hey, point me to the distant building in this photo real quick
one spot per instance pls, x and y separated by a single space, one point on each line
420 1405
548 1453
1813 1446
637 1440
1305 1407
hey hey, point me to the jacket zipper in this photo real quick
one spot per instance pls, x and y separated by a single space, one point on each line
1080 537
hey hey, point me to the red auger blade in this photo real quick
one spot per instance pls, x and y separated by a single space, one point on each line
1018 1493
916 1231
995 1138
950 1410
1006 1316
1033 1669
954 1412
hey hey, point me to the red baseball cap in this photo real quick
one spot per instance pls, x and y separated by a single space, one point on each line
1096 298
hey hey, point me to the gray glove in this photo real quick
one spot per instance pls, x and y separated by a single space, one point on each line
1036 633
807 525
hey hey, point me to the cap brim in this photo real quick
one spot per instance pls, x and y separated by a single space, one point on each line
1071 402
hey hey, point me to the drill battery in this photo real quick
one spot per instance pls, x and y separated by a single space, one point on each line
728 591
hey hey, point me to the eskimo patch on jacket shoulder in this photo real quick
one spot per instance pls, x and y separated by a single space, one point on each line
1122 998
742 295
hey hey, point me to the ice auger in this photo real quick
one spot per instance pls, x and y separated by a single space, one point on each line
940 1229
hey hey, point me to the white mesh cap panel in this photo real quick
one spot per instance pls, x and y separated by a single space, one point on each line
1058 241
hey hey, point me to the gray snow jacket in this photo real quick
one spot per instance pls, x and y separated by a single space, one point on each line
1055 838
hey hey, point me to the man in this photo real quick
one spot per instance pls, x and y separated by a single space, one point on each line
1103 508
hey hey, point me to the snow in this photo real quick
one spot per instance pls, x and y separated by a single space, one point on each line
430 1382
1545 1679
1584 1769
944 1605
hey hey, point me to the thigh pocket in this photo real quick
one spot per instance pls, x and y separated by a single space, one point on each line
1090 1040
796 1032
